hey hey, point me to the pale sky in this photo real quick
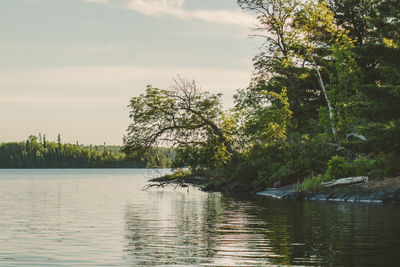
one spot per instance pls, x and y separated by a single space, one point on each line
71 66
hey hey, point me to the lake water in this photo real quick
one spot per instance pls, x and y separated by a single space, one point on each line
102 218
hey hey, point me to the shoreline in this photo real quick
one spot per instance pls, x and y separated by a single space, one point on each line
374 191
385 190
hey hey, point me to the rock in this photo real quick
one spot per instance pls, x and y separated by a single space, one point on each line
277 184
280 192
351 189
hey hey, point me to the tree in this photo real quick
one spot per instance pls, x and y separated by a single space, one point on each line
282 60
300 40
182 117
379 92
317 35
267 115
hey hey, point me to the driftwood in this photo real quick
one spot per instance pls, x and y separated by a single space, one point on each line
346 181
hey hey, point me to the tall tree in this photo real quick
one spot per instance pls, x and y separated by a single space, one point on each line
299 40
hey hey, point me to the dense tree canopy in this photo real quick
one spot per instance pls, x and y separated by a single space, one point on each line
37 152
323 101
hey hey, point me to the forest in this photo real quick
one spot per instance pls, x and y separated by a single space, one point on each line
37 152
323 102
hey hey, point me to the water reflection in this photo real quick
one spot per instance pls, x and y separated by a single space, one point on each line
174 229
209 229
103 218
332 233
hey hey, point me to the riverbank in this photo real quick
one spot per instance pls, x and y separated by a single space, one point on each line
373 191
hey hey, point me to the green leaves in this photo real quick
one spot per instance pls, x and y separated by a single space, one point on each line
267 123
182 117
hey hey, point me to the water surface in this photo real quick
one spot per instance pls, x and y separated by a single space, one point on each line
82 217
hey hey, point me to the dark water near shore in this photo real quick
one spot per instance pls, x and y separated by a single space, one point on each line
103 218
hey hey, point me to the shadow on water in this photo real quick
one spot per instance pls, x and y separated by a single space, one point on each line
325 233
211 229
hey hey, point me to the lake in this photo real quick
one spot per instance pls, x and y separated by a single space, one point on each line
102 217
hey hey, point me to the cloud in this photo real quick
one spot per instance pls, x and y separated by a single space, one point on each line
175 9
157 7
236 17
115 83
97 1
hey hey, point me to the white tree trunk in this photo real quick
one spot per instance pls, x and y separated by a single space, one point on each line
330 108
359 136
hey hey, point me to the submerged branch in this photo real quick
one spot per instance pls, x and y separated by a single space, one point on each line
163 184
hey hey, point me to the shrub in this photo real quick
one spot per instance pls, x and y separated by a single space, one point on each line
338 167
363 166
178 174
391 164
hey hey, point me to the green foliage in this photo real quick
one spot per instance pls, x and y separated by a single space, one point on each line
267 120
363 166
210 155
178 174
322 104
160 158
284 163
313 184
390 163
36 153
338 167
356 49
183 117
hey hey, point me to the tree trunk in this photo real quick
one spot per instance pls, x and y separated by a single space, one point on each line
330 108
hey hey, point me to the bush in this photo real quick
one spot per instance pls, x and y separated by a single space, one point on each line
178 174
391 164
363 166
338 167
287 162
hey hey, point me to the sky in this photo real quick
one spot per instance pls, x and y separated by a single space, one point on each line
71 66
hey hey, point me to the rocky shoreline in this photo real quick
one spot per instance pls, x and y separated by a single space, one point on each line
374 191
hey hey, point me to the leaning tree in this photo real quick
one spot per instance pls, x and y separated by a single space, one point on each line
183 117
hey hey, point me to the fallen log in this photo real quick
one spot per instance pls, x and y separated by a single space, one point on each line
346 181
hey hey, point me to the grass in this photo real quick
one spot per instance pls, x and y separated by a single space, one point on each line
313 183
176 175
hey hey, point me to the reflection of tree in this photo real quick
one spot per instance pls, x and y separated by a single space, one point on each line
240 237
199 228
172 229
321 233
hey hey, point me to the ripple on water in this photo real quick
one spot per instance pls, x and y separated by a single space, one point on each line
103 218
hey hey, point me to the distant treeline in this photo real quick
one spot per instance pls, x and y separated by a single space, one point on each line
37 152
